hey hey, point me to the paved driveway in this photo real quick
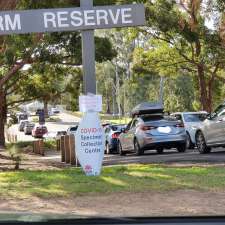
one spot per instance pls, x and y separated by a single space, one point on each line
67 120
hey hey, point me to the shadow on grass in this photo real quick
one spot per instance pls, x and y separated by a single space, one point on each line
136 178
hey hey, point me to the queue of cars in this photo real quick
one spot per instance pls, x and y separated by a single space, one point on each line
151 129
29 128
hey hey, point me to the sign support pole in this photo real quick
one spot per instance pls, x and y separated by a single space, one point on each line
88 54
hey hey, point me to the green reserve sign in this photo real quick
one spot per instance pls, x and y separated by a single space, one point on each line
70 19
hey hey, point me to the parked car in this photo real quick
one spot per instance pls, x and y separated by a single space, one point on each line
191 121
22 116
112 133
39 131
28 128
55 111
72 130
22 124
149 130
211 132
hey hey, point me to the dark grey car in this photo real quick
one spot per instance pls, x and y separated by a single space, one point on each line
112 133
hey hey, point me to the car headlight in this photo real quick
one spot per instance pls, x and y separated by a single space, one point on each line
194 127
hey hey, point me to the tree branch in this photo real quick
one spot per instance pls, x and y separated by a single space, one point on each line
20 101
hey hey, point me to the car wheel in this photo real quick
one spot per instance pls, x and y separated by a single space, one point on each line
107 148
189 144
138 150
181 148
159 150
201 143
120 149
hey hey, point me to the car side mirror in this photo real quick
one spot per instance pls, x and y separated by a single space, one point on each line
209 116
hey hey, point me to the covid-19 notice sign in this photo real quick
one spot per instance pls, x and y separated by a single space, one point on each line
90 144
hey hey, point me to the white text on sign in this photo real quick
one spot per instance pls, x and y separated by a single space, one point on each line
64 19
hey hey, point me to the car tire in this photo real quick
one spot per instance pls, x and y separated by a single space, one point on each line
189 143
159 150
181 148
120 149
107 149
138 150
201 143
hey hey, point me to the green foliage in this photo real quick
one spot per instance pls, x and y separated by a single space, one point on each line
49 119
73 88
50 144
16 155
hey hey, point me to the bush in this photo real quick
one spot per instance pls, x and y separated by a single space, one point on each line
50 119
20 144
15 154
50 144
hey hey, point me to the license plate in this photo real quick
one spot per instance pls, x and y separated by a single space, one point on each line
165 130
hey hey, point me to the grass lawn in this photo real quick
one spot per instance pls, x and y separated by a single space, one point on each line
131 178
35 119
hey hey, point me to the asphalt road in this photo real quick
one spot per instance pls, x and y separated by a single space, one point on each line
67 120
190 157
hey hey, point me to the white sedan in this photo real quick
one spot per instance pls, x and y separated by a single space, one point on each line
191 121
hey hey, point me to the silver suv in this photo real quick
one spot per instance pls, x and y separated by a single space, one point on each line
211 131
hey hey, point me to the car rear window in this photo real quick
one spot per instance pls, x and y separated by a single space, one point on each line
152 117
117 128
73 129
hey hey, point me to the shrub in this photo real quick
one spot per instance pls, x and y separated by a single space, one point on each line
15 154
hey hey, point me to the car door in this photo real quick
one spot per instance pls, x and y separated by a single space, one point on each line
131 134
214 130
107 134
124 138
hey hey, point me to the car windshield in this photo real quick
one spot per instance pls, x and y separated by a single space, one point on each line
194 117
116 93
219 110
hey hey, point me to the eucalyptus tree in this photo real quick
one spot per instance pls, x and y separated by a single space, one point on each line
38 49
185 43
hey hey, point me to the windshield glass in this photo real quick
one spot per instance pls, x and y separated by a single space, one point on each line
194 117
103 105
117 127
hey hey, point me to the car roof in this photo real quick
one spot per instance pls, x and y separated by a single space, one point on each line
24 121
40 126
200 112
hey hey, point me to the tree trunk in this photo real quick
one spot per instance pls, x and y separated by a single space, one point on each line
46 108
108 111
210 96
118 90
3 116
203 89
